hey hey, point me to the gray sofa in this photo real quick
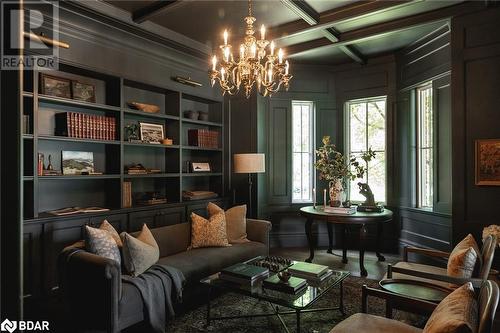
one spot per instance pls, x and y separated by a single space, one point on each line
97 300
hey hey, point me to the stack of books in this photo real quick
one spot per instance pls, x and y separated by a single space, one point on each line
294 285
244 274
85 126
198 195
203 138
341 210
311 272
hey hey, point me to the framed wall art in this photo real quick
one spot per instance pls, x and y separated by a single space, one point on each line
83 91
488 162
55 86
200 167
77 162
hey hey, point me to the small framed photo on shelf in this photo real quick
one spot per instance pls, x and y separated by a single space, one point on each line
55 86
83 91
200 167
488 162
77 162
151 133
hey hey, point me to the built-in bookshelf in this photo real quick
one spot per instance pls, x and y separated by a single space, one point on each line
111 156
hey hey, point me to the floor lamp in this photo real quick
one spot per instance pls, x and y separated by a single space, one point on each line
249 163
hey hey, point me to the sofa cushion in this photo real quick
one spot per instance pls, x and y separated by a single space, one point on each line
196 264
139 253
236 222
456 313
101 242
362 322
172 239
105 225
208 233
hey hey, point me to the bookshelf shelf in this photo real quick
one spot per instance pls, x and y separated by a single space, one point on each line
149 115
69 139
201 148
202 174
78 177
153 175
77 103
201 122
152 145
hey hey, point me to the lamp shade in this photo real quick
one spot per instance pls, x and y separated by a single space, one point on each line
249 163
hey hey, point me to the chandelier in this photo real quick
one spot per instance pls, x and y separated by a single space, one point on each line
257 64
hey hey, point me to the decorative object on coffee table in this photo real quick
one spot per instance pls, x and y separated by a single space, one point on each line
149 108
77 162
334 167
151 133
487 162
250 164
55 86
83 91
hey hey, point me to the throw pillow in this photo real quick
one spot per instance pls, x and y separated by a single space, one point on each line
105 225
100 242
139 253
457 312
236 222
463 258
208 233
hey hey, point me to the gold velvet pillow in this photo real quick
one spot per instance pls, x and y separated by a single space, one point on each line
463 258
105 225
141 252
208 233
457 313
236 222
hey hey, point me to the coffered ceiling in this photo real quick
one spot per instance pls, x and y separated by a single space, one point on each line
312 31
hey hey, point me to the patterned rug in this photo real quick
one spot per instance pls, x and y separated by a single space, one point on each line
231 304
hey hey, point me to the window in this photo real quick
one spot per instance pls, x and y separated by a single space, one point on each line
424 147
365 128
302 151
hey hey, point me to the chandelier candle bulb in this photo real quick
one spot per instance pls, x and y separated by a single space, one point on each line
253 50
214 63
287 66
226 54
262 32
222 72
225 37
272 48
280 56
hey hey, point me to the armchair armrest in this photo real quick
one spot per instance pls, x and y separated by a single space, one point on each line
401 302
91 287
258 231
476 283
427 252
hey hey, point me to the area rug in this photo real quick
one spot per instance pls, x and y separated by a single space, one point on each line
230 304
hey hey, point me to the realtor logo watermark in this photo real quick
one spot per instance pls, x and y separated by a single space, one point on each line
39 22
24 325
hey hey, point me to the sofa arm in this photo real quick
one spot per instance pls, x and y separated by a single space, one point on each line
258 231
91 288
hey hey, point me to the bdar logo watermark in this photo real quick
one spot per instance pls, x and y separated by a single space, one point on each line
29 29
24 325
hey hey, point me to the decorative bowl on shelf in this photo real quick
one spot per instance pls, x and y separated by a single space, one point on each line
203 115
149 108
190 114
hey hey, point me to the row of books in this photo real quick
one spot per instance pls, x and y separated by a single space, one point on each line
85 126
203 138
127 194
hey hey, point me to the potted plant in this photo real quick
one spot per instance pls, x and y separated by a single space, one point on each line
334 167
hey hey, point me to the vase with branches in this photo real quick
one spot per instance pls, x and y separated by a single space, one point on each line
336 168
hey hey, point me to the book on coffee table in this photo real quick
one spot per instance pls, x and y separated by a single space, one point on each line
243 273
307 270
293 286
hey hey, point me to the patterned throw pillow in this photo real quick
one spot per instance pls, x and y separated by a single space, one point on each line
105 225
457 312
236 222
139 253
463 258
100 242
208 233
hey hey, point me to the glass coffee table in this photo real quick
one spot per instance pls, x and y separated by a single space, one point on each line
296 304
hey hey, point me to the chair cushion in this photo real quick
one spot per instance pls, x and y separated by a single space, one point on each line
196 264
362 322
463 258
457 313
207 233
236 222
139 253
420 268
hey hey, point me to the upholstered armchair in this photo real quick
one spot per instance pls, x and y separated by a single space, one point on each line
437 275
485 301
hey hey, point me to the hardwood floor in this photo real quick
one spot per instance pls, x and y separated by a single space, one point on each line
375 268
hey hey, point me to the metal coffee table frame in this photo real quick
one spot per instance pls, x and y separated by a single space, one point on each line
261 294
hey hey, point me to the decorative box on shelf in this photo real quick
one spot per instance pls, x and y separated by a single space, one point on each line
203 138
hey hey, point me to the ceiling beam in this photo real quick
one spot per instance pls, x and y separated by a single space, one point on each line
385 28
309 15
303 10
145 13
329 18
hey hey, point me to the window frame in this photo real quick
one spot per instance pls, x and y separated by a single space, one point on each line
418 147
347 138
312 158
